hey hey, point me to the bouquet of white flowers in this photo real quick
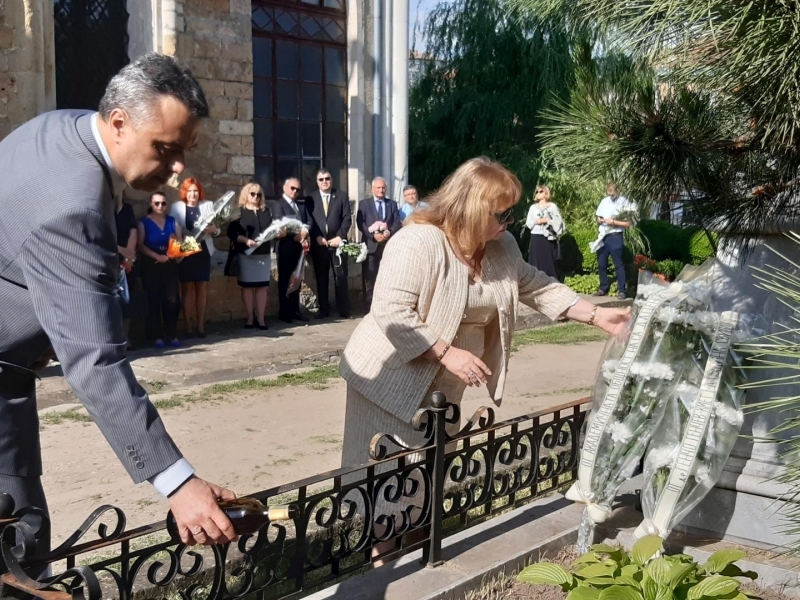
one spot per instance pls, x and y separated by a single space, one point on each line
223 211
699 428
625 215
635 377
290 225
352 249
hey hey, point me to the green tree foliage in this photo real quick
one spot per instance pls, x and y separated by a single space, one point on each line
707 104
494 73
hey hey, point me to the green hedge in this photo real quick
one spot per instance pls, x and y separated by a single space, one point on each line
700 247
587 284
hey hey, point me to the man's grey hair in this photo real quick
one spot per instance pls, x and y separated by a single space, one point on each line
138 86
409 188
292 178
377 179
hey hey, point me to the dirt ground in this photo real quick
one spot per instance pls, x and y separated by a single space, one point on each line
258 440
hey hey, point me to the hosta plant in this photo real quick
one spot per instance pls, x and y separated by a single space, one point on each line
608 573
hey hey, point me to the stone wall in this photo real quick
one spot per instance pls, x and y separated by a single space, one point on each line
27 61
214 39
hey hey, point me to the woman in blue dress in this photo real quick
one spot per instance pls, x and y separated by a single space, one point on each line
194 271
159 272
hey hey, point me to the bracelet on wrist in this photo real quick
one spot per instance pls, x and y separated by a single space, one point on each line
592 316
441 356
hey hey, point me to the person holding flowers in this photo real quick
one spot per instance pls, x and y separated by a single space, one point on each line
444 319
159 272
254 270
194 271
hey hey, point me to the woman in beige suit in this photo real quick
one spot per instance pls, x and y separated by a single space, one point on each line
444 308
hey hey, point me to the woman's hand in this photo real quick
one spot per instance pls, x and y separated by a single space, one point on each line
162 258
251 244
282 232
466 366
612 320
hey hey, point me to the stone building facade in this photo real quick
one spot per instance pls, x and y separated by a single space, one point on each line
292 85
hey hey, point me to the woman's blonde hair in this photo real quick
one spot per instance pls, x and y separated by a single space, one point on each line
466 203
546 191
244 195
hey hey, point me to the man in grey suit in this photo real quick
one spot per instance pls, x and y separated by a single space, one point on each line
58 272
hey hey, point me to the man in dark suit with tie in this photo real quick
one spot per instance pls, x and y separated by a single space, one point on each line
331 219
290 249
59 269
379 208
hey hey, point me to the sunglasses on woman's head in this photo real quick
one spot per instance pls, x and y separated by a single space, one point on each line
504 217
255 194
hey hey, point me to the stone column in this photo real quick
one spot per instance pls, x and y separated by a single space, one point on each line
743 507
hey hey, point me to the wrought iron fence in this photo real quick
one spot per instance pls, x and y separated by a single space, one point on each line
400 502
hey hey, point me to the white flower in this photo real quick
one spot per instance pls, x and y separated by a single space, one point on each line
661 456
620 433
702 475
608 368
646 290
652 370
729 414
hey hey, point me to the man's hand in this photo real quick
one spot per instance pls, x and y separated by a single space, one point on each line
199 519
608 221
335 242
282 232
251 244
321 241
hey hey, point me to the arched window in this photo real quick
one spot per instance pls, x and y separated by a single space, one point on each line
91 46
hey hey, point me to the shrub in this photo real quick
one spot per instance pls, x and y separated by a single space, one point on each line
700 248
586 284
669 268
613 574
666 240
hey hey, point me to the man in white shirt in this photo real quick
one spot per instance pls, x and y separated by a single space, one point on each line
612 229
290 249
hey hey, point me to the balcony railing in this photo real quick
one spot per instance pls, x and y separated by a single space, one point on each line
349 518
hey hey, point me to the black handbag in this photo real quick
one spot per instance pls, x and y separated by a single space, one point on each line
232 264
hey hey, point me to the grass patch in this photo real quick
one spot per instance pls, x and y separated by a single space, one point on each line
570 333
55 418
572 390
156 385
317 378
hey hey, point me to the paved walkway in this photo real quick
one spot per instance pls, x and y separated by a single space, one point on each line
232 353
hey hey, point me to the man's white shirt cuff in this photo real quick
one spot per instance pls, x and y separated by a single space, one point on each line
171 478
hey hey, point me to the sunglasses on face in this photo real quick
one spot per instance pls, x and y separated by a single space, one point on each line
504 217
255 194
540 191
159 203
294 189
323 179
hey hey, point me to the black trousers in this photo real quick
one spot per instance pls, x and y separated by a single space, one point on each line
370 271
21 457
325 261
288 306
160 282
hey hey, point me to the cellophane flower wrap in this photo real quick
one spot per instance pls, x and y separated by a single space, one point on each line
354 249
635 377
222 212
291 225
700 425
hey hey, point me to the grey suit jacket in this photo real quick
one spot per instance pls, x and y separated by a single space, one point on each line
58 273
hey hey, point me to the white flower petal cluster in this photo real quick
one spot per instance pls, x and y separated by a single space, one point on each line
653 370
663 456
608 368
620 432
729 414
702 474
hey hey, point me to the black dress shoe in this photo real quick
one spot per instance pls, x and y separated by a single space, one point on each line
248 325
201 334
300 317
263 327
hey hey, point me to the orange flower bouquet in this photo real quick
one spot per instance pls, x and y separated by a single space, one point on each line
178 249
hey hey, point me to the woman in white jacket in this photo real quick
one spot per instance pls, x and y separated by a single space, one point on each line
546 226
194 271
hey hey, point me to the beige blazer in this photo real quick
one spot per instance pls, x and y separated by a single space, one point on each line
420 296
